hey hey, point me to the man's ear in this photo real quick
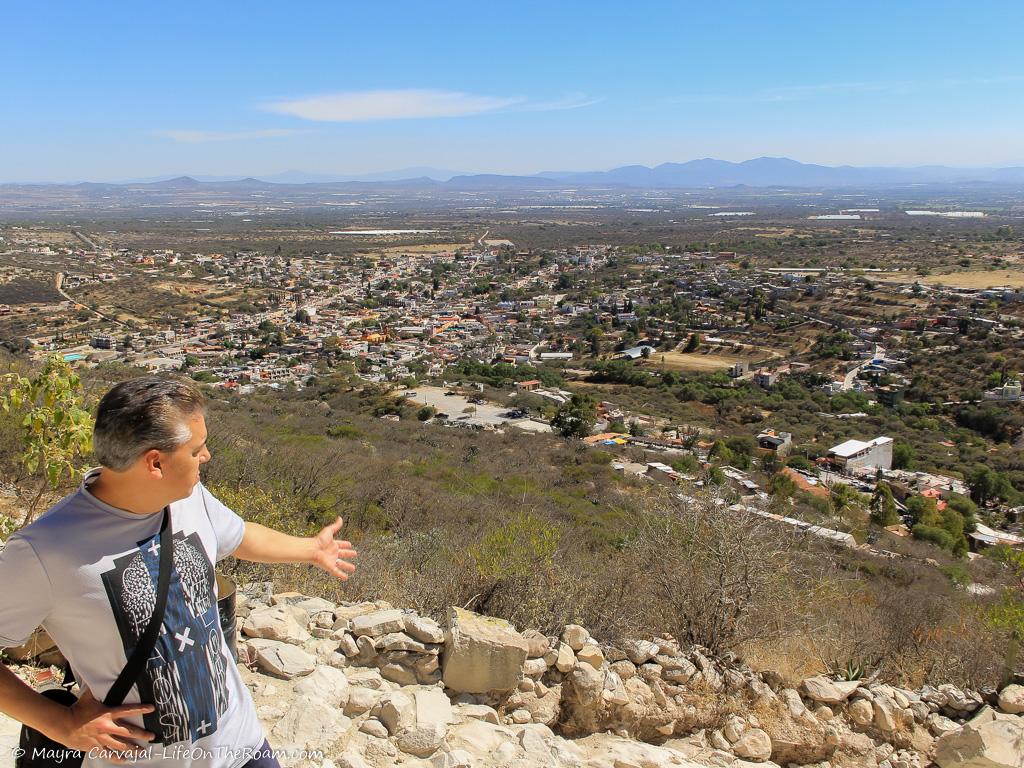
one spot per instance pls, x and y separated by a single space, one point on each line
151 460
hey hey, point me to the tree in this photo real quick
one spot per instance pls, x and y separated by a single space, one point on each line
902 456
56 429
693 343
922 510
842 497
782 487
636 429
883 506
575 418
983 482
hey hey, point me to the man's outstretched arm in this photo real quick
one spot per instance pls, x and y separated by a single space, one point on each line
265 545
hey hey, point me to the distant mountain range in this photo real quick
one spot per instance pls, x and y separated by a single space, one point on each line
707 172
301 177
782 172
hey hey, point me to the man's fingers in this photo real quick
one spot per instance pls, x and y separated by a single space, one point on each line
132 732
121 749
335 526
125 710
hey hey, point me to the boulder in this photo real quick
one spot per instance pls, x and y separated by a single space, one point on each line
374 727
575 636
481 653
316 608
423 629
396 710
398 641
360 700
753 744
939 726
565 659
614 690
591 654
536 642
344 614
887 714
309 724
347 645
861 712
432 713
544 704
397 673
1011 699
640 651
824 691
283 660
624 669
582 700
993 744
325 684
279 622
960 702
535 667
378 623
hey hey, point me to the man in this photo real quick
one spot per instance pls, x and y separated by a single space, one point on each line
86 569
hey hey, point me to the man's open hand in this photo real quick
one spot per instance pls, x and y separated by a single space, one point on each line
332 555
91 724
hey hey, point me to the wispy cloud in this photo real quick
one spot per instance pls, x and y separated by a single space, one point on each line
409 103
570 101
199 137
819 90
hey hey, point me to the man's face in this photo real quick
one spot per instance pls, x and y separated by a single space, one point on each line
181 466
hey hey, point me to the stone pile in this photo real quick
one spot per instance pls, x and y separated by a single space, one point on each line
373 685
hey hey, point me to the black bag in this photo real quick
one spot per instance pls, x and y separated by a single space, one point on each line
39 751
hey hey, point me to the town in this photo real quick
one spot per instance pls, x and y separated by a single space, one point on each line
800 382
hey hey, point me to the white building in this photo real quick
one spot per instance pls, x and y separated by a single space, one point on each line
856 454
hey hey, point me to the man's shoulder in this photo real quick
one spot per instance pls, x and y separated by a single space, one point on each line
60 514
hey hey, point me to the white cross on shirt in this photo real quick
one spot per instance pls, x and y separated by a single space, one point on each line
184 639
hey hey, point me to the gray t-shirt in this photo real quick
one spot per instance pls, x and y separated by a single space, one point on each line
87 572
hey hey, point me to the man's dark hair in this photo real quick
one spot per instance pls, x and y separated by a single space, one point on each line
142 414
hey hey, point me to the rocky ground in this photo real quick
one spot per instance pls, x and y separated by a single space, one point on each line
368 685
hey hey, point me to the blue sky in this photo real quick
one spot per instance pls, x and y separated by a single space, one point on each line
109 90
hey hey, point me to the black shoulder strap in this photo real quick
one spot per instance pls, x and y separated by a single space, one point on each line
140 655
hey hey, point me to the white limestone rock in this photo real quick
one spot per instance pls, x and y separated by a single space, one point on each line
280 622
283 659
481 653
326 684
378 623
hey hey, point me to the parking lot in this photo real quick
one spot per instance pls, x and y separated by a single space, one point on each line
459 409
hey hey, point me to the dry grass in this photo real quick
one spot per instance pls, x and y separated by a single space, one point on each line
978 279
425 248
707 362
793 658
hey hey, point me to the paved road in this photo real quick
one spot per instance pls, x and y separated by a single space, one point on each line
485 413
879 354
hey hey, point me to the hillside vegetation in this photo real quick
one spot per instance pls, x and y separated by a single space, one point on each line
542 531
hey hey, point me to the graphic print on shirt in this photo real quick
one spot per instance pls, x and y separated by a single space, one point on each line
186 674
